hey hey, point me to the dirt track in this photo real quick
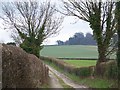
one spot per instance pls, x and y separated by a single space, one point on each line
54 82
65 79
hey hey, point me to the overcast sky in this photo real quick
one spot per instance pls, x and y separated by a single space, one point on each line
68 30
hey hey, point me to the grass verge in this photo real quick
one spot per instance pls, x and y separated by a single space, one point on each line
89 82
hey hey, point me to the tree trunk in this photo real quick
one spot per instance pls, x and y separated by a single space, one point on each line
101 58
118 57
118 32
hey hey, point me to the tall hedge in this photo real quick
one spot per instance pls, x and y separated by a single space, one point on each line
22 70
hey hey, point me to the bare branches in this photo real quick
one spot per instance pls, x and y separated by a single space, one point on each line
101 17
33 21
29 17
76 8
81 8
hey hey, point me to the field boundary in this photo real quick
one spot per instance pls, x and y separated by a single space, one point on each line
78 58
81 59
81 71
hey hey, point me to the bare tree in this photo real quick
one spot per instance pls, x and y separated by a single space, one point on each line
33 21
101 18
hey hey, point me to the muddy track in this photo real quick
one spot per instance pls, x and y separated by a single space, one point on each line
54 82
66 80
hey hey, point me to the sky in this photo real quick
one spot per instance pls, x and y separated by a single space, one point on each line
69 28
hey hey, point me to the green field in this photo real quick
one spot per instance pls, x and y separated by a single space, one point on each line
70 51
81 63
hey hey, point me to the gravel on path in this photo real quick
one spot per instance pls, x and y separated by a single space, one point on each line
67 80
54 82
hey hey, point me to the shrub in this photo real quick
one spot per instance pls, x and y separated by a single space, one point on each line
30 46
83 72
111 70
11 43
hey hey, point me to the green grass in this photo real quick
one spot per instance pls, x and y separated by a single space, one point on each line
91 83
70 51
81 63
73 51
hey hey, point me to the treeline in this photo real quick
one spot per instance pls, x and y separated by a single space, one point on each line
79 39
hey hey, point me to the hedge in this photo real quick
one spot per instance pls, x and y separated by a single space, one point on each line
81 72
109 69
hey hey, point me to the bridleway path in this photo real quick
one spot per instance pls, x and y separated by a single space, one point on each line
66 80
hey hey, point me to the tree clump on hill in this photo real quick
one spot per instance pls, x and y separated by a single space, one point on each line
22 70
79 39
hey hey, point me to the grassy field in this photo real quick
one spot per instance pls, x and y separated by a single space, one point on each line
70 51
81 63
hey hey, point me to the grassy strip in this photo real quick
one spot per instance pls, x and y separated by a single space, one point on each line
81 63
92 83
